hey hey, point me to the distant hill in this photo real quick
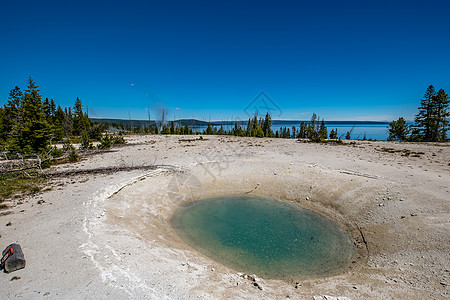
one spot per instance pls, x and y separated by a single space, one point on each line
145 123
194 123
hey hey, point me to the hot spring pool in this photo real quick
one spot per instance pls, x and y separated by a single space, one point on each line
266 237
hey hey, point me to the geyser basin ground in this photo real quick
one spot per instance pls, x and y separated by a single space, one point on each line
266 237
111 232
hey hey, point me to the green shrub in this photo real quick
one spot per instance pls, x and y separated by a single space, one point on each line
57 152
85 141
118 139
106 142
73 156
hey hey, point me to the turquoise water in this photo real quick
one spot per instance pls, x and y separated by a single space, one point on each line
266 237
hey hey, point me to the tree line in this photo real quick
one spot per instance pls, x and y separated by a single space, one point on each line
315 130
431 121
29 124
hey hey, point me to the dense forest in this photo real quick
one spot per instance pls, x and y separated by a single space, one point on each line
30 125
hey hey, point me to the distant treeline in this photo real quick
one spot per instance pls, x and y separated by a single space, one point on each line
314 130
29 124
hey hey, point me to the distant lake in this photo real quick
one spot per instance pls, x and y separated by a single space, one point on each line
377 131
372 130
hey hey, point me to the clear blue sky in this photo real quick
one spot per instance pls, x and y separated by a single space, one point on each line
344 60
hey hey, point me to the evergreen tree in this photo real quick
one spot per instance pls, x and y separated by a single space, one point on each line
302 130
52 108
172 127
221 130
312 131
249 128
11 114
398 130
424 118
441 114
431 120
165 129
47 109
68 122
323 132
266 127
333 134
32 134
81 120
209 129
259 132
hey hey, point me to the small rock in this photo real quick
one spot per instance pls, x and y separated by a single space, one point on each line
413 214
381 204
297 285
8 224
402 217
307 197
257 285
15 278
443 283
402 199
212 269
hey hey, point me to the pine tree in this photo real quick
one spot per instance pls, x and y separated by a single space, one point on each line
266 127
221 131
81 121
333 134
172 127
47 109
398 130
52 108
323 133
249 128
431 120
32 134
424 117
302 131
68 122
11 114
440 126
209 129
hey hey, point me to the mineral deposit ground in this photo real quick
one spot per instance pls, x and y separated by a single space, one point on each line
102 229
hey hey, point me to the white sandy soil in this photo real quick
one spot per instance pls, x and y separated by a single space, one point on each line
104 233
